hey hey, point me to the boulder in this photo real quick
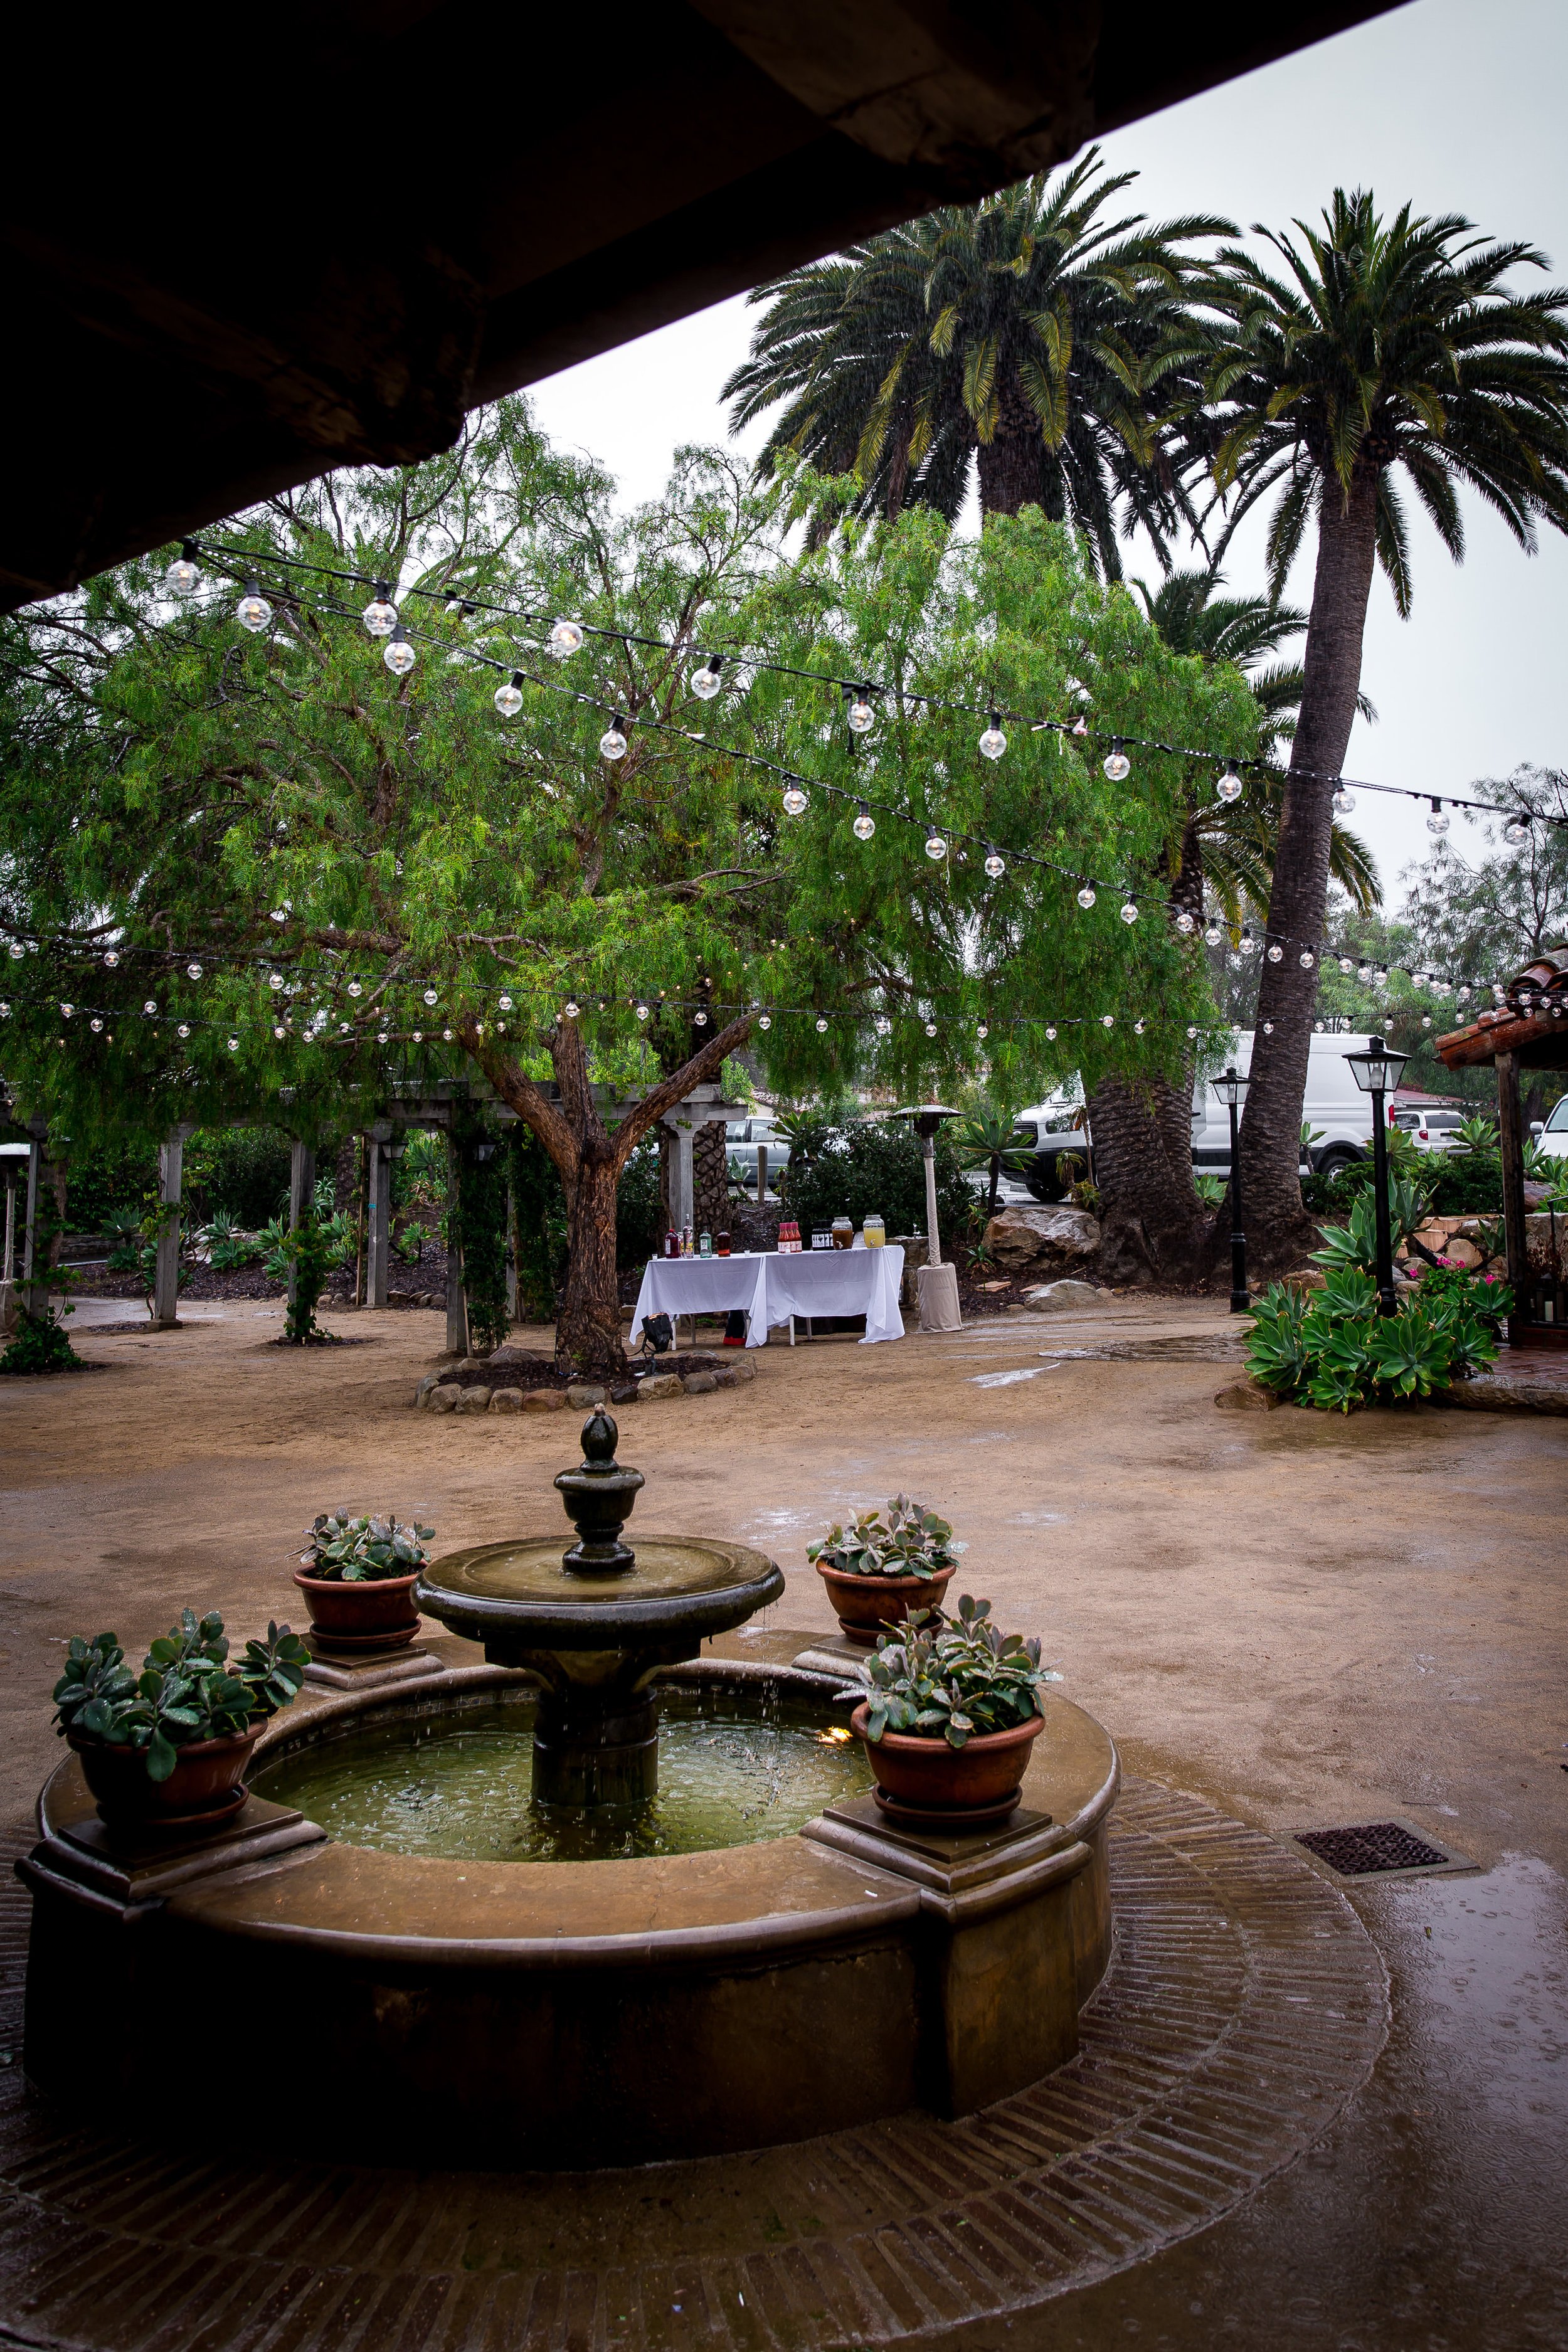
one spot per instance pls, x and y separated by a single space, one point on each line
743 1368
1461 1252
473 1364
1059 1297
422 1394
1020 1237
662 1384
625 1392
475 1400
543 1401
584 1393
1248 1396
506 1399
443 1396
700 1383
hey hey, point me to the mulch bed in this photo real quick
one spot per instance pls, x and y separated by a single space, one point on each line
524 1367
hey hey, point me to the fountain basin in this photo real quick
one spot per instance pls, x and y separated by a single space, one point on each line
562 2014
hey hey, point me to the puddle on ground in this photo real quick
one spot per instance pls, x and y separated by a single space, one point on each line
1006 1380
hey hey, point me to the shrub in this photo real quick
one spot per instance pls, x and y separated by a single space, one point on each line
40 1344
243 1170
873 1167
346 1551
1331 1349
188 1690
477 1227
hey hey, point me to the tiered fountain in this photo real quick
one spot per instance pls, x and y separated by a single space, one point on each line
594 1967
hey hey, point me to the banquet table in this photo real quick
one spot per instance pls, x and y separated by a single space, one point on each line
771 1287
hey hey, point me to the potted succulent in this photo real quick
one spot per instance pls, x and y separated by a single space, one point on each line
879 1569
358 1579
952 1710
171 1744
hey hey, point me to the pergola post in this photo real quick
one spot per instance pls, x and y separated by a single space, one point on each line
302 1194
166 1266
32 1293
378 1249
456 1297
1510 1152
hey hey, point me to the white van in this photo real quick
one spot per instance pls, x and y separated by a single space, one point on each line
1334 1107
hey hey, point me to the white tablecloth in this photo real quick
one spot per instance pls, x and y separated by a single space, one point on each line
769 1287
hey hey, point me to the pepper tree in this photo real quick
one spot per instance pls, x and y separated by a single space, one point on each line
384 880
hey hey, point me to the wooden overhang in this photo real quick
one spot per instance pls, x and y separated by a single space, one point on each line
1527 1031
244 245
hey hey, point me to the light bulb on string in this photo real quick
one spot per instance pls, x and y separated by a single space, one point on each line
233 1043
883 1024
1463 994
94 1026
865 823
1344 801
1186 924
274 979
613 742
1108 1020
993 743
398 653
253 611
706 682
1138 1028
565 637
1276 953
183 574
184 1029
570 1008
67 1010
195 970
765 1020
380 615
355 988
1085 897
1363 973
1345 963
419 1037
995 864
1129 910
936 848
821 1024
700 1019
642 1011
447 1035
930 1028
1380 977
279 1031
150 1008
1229 787
381 1036
430 996
1306 958
1211 935
508 697
504 1003
18 951
1117 764
1247 945
1516 832
1192 1031
1438 821
1051 1030
858 716
982 1029
794 801
1269 1028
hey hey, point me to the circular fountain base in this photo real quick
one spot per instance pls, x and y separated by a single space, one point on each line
565 2014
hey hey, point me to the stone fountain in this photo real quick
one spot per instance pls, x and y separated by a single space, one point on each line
596 1624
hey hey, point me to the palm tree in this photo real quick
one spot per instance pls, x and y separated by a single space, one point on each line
1024 331
1381 345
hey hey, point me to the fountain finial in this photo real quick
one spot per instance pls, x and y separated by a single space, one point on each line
599 1495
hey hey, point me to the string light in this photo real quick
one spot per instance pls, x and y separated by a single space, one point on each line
883 1024
1085 897
504 1003
430 997
150 1007
865 823
821 1024
185 1029
1213 935
1276 953
195 970
995 864
398 653
993 743
380 615
1229 787
253 611
765 1020
565 637
795 801
355 988
183 574
859 717
508 697
1344 801
570 1008
1186 924
981 1030
1517 830
1118 766
1108 1020
1437 822
1051 1032
1306 958
936 848
642 1009
706 682
613 742
1128 911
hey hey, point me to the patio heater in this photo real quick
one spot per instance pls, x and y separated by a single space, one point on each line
937 1284
1231 1088
1376 1071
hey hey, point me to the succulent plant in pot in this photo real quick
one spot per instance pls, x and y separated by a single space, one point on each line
877 1570
358 1578
172 1743
954 1708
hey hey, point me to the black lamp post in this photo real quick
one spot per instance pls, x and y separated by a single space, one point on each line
1230 1090
1376 1072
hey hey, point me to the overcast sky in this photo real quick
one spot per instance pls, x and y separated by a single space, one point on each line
1449 107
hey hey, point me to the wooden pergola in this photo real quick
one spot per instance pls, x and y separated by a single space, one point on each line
1528 1031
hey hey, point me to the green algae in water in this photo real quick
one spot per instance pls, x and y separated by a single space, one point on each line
460 1786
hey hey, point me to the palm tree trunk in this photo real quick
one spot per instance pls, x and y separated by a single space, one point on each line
1153 1227
1012 463
1278 1226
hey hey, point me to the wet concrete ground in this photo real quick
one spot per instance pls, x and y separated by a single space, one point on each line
1307 1620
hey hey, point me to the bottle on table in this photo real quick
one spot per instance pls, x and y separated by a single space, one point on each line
705 1245
874 1233
843 1232
722 1244
671 1243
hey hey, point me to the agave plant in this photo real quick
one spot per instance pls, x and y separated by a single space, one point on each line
910 1541
955 1678
349 1550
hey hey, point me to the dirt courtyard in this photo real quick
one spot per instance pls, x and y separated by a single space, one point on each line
1309 1620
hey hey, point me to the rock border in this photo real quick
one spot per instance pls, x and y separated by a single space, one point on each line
439 1393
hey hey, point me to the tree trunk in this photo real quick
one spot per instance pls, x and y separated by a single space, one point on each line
709 1177
1152 1225
1277 1226
590 1161
1013 462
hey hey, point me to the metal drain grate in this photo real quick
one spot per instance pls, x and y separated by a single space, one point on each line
1378 1845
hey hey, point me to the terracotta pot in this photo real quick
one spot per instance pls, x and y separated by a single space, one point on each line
927 1776
206 1772
866 1605
380 1604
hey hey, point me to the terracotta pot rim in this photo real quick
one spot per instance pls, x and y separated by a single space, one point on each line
354 1584
983 1743
226 1739
885 1583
